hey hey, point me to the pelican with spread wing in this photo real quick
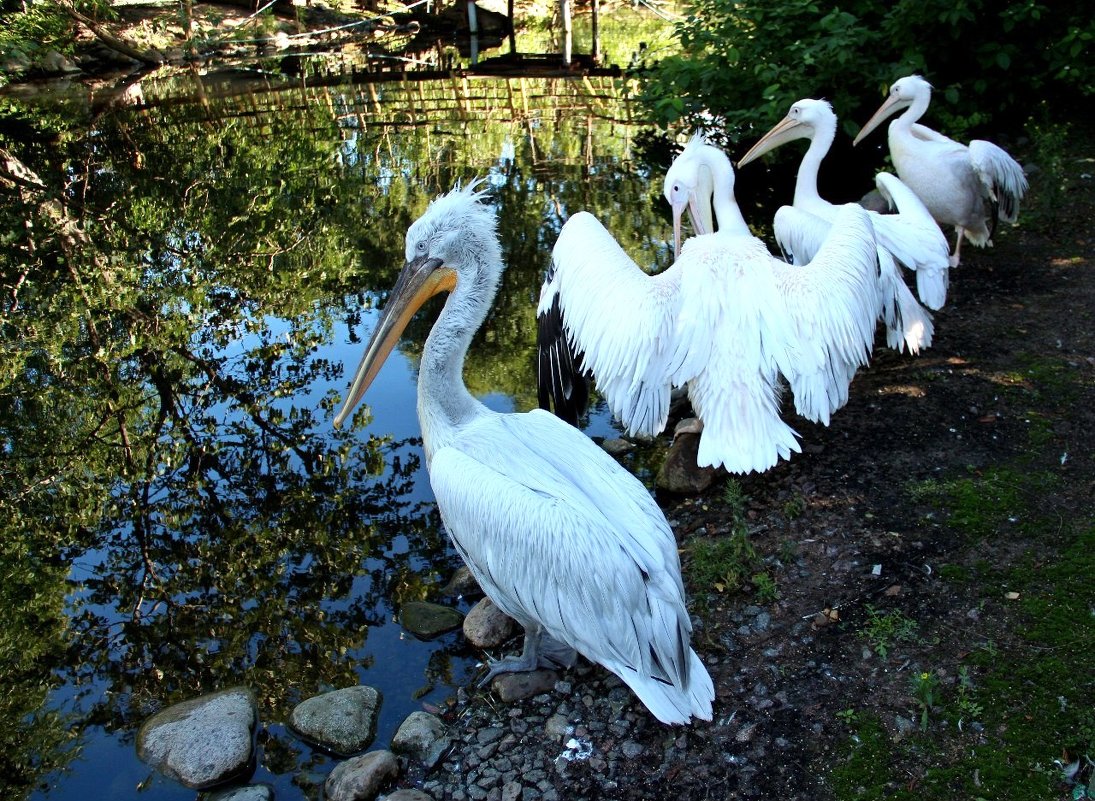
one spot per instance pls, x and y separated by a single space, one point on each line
725 320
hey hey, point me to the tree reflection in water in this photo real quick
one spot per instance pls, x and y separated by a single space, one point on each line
180 282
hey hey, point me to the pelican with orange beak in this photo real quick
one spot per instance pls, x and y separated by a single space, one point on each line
557 533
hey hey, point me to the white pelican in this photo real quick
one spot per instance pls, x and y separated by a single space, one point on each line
723 319
911 236
967 187
559 535
836 315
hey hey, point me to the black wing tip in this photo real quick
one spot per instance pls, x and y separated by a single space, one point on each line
562 385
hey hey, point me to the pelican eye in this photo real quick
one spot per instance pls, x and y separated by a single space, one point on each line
421 246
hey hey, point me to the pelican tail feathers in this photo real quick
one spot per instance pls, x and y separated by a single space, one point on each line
1001 175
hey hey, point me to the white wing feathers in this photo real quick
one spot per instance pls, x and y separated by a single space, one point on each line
799 233
612 590
914 239
908 324
734 335
619 317
1001 176
834 302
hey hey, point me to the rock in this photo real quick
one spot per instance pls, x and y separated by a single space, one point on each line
427 620
250 792
487 626
342 721
617 446
417 735
679 472
14 64
361 778
408 795
511 791
202 742
515 686
557 727
54 63
462 583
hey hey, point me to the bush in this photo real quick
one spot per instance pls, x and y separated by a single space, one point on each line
745 63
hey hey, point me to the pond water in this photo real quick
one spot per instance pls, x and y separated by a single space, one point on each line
189 280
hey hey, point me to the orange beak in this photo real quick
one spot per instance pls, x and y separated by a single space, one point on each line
419 281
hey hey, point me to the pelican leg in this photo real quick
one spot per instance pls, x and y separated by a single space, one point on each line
539 651
957 245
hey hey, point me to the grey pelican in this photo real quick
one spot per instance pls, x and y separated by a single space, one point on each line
911 236
967 187
558 534
725 319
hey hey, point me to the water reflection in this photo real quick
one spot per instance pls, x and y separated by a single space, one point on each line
183 287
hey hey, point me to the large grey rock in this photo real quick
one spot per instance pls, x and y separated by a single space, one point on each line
417 735
679 472
487 626
427 620
342 721
249 792
202 742
361 778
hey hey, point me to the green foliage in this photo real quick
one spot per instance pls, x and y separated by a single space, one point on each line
795 506
967 707
924 686
765 588
723 563
883 630
745 63
1034 703
42 26
733 495
986 501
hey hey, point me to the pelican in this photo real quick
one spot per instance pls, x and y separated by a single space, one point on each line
967 187
841 322
722 320
558 534
910 236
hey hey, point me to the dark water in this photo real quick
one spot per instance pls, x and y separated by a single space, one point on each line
188 279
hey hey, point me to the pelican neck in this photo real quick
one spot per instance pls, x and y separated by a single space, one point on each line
806 191
444 403
727 213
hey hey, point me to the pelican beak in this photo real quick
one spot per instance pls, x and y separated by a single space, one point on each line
696 216
689 202
786 130
892 104
420 280
679 206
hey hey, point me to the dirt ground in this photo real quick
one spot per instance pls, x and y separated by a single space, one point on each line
846 539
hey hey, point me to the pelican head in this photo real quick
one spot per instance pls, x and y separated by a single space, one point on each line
689 184
805 119
903 93
452 245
